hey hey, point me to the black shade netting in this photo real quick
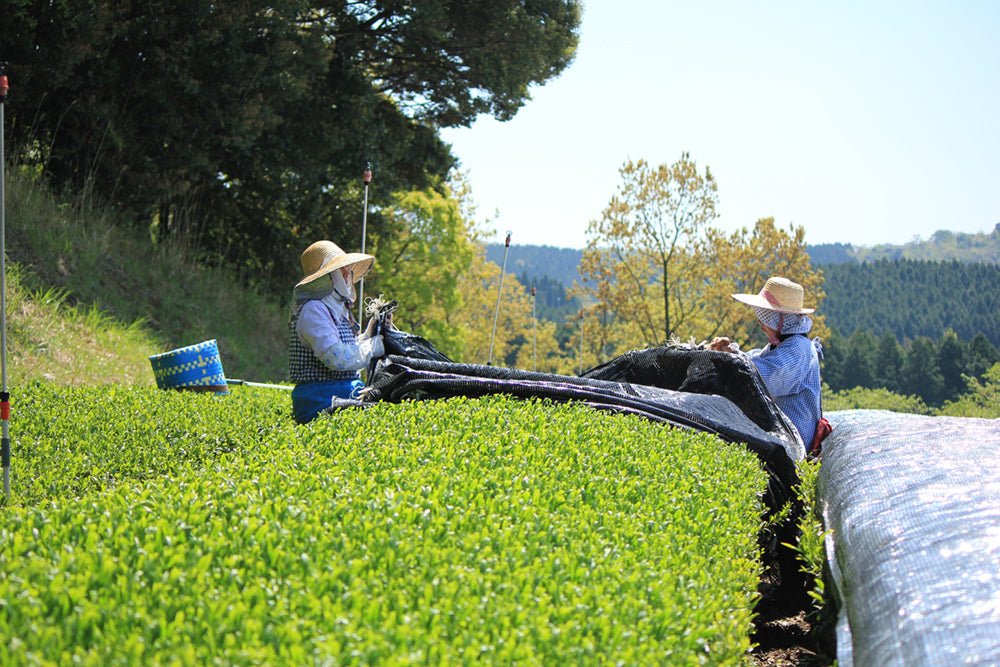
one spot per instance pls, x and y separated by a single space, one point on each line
700 371
403 344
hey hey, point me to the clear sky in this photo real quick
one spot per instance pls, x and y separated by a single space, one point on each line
863 122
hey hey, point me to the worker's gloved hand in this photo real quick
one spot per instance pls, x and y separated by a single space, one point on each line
370 329
723 344
719 344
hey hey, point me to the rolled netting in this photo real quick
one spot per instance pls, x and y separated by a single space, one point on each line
912 508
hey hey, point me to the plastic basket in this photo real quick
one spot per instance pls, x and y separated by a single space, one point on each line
195 367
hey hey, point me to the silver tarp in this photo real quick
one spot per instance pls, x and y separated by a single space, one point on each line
912 506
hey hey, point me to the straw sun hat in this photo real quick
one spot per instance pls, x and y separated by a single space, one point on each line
325 257
778 294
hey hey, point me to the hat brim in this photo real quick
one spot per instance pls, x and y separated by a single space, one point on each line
359 263
760 302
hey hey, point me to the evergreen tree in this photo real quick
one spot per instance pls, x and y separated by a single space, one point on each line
551 301
980 356
859 366
951 362
921 373
888 363
834 356
912 298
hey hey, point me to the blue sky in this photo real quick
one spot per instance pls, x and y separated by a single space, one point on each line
863 122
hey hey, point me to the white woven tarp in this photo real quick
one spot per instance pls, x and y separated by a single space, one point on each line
913 508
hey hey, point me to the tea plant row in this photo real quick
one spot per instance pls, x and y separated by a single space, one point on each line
161 528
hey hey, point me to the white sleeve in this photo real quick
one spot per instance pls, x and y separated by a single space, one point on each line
318 329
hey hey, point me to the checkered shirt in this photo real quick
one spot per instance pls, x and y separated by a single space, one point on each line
792 375
303 366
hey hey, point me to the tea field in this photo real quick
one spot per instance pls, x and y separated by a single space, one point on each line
166 528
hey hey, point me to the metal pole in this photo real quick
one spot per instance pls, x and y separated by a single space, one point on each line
265 385
367 178
534 332
579 358
496 315
4 394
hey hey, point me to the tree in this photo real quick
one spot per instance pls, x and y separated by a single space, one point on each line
981 355
658 268
641 252
982 399
541 352
859 365
921 374
242 128
888 363
834 356
479 285
421 254
741 262
951 362
914 298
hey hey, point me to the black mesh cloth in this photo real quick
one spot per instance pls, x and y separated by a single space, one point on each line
401 343
699 371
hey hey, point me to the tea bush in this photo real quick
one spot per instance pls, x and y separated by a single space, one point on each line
190 529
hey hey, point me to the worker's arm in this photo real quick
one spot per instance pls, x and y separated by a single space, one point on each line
318 329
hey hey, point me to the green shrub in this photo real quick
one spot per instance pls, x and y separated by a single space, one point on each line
873 399
459 531
982 399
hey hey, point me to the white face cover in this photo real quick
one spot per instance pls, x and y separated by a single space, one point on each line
344 287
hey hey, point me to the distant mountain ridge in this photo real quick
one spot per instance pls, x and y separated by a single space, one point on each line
562 264
537 261
942 246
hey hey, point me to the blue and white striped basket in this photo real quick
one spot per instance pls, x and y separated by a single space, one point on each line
195 367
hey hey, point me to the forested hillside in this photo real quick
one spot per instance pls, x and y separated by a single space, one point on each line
910 298
905 297
533 261
941 246
562 264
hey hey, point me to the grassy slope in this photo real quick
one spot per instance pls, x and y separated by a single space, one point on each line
89 300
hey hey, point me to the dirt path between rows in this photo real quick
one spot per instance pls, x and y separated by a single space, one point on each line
784 632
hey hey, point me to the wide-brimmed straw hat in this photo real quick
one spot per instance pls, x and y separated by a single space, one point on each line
778 294
324 257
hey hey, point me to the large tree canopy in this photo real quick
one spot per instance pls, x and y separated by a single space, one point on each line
656 268
243 127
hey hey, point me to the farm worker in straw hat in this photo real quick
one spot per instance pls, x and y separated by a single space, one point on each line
325 350
789 364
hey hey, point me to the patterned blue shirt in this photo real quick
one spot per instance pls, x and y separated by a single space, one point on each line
791 373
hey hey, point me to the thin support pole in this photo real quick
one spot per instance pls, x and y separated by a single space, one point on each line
579 358
4 394
265 385
496 315
367 178
534 332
